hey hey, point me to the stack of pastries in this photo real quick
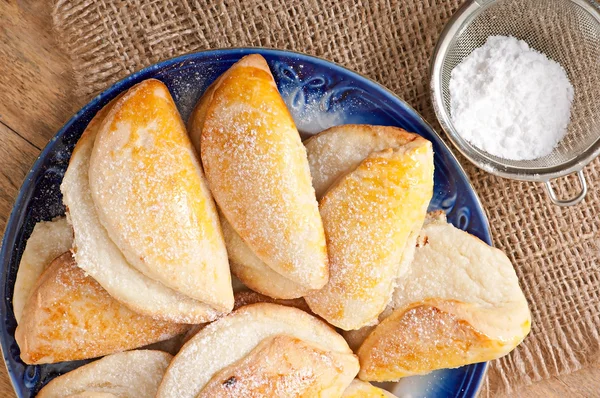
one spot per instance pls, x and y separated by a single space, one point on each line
268 267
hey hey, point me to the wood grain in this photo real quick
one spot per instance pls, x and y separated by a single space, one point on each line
36 99
16 157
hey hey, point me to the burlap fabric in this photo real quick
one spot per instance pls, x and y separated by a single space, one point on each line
556 251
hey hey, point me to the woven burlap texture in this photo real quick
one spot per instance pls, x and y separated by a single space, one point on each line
556 251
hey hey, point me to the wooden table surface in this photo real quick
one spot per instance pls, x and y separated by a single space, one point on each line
36 99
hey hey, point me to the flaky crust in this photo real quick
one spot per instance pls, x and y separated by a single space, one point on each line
368 216
69 317
132 374
229 340
256 167
151 197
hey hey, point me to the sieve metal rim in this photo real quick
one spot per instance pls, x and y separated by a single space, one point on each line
457 22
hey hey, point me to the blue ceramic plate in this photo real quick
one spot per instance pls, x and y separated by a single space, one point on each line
319 94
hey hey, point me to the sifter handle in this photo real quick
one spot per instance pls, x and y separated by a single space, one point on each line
568 202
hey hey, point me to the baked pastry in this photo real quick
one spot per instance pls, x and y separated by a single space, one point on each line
152 199
458 303
249 297
356 337
363 389
332 153
257 170
369 215
338 150
98 255
48 240
131 374
254 272
69 317
262 350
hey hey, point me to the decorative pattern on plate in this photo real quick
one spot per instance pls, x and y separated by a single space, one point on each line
319 94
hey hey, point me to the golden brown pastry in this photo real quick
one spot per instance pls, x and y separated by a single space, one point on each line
368 216
98 255
458 303
338 150
257 170
69 317
48 240
152 199
262 350
331 154
131 374
363 389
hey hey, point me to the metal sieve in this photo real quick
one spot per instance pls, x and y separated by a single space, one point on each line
567 31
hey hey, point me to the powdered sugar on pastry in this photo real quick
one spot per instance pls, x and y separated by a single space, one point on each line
459 302
282 366
254 272
69 317
256 167
368 216
231 339
340 149
132 374
152 199
96 253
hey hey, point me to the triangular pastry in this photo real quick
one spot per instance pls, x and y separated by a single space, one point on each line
70 317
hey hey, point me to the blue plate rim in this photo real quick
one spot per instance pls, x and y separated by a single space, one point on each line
16 216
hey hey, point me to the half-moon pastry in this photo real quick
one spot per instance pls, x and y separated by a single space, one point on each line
97 254
257 170
152 199
262 350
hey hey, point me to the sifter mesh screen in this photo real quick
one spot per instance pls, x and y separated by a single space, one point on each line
563 30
